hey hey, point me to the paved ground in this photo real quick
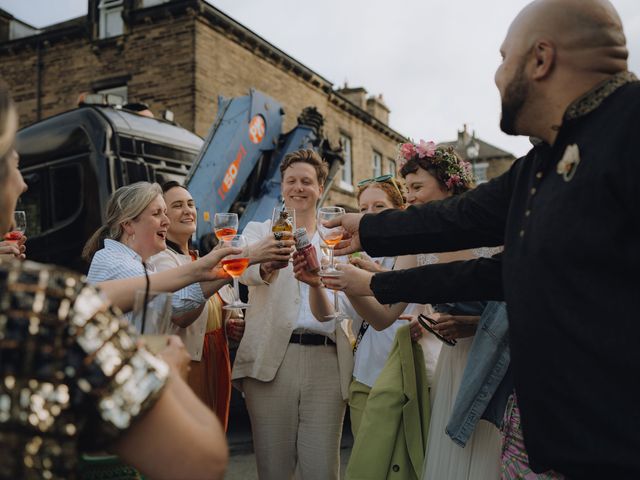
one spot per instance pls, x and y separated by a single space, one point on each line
243 466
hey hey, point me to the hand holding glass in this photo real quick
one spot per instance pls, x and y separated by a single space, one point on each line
283 224
235 265
330 236
20 225
225 224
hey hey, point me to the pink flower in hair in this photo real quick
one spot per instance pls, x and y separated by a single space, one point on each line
426 149
453 181
408 150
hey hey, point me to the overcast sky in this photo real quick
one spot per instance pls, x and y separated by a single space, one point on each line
433 60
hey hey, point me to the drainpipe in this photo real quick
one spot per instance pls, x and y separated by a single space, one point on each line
39 80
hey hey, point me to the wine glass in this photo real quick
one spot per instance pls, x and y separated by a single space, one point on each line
330 236
324 262
337 313
19 227
225 224
235 265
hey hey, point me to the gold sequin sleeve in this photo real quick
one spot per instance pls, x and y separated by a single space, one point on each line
71 375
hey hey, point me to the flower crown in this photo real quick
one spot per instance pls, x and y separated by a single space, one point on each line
453 172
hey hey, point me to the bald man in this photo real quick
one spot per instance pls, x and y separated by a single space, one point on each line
569 216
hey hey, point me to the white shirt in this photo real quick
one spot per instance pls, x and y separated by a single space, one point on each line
117 261
305 321
193 335
373 350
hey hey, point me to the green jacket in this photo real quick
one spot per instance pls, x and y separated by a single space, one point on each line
392 437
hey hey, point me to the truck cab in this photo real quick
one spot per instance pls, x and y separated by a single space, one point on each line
72 163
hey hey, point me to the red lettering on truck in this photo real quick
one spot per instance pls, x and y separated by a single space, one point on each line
231 173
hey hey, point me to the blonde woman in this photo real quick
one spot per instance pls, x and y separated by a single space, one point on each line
135 230
96 388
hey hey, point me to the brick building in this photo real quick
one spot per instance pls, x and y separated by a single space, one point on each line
180 55
488 160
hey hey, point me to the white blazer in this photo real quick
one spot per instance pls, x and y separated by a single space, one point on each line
271 319
193 335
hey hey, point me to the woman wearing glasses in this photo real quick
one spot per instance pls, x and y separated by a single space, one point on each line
372 345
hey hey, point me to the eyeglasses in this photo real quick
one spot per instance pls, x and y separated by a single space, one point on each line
388 178
380 179
428 323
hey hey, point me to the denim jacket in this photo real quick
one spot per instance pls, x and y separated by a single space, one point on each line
486 382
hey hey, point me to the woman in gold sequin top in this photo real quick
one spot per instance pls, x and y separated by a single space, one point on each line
72 377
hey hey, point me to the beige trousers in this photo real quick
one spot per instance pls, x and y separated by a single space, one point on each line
296 419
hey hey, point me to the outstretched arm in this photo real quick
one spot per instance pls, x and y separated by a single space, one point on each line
377 315
478 279
121 292
474 219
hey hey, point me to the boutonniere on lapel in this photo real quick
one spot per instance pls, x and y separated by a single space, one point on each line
568 165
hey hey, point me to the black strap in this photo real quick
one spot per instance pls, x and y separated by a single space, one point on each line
365 325
361 332
146 298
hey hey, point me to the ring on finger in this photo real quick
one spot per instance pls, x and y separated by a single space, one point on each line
278 235
280 245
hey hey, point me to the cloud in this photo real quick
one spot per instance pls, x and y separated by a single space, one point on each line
432 60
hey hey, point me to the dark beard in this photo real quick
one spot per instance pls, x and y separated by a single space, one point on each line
514 98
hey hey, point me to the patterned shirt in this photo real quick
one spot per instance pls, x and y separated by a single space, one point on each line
117 261
71 375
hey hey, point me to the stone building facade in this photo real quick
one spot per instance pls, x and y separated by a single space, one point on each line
488 160
181 55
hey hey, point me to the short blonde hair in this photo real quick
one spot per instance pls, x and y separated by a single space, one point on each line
125 205
307 156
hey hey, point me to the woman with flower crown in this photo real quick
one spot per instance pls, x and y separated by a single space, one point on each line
433 173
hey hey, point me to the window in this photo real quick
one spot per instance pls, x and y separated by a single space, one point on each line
377 164
151 3
480 172
391 167
67 202
121 91
346 180
111 22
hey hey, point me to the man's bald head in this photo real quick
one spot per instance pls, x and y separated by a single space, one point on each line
555 52
587 34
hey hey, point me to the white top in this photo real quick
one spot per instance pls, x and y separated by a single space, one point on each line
116 261
276 308
193 335
305 321
373 350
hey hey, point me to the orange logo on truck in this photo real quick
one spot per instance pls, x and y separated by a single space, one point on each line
256 129
231 173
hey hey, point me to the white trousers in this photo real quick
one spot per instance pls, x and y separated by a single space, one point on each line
296 419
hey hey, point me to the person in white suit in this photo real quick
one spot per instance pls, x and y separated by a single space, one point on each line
294 370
